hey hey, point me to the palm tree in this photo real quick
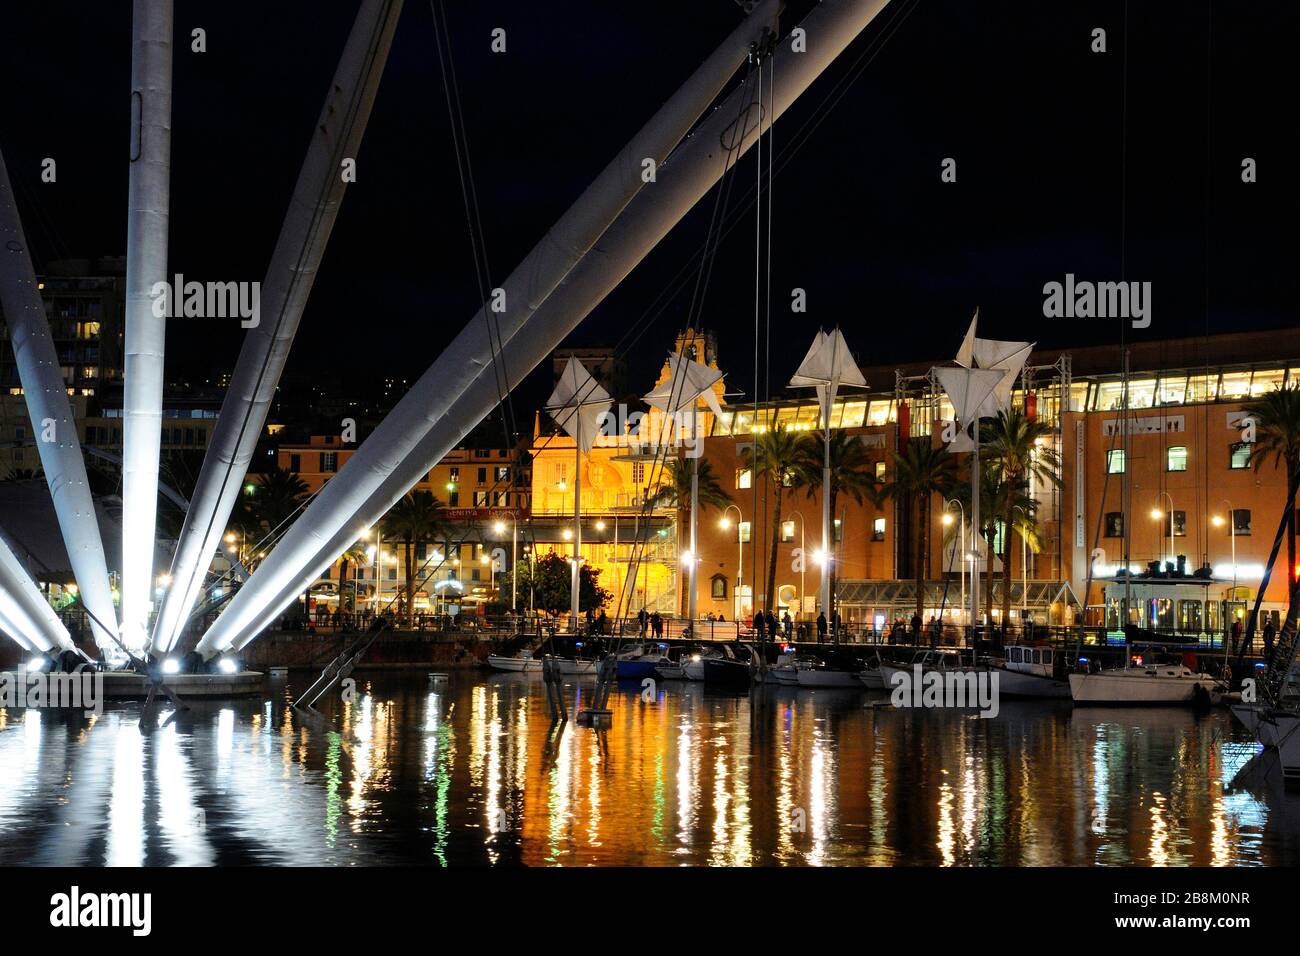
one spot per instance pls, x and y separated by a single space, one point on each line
416 520
1017 446
777 455
851 472
998 499
354 553
272 502
675 492
921 471
1277 435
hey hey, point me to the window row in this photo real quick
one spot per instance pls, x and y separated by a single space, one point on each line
1176 458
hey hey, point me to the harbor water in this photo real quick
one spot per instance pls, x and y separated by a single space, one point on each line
468 769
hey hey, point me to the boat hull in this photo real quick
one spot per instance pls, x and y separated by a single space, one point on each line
1014 684
827 678
639 669
872 679
693 670
1130 689
1276 730
725 673
515 665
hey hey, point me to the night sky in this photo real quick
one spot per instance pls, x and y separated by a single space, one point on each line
861 219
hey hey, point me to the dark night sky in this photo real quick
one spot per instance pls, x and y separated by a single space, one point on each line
861 219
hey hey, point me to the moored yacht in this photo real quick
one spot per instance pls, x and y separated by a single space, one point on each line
1147 683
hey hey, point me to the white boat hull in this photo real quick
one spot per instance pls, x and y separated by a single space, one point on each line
1278 730
671 671
784 676
578 668
515 665
873 678
693 670
1132 687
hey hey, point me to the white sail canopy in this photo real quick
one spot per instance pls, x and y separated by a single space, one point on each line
826 367
577 404
968 389
1007 357
688 381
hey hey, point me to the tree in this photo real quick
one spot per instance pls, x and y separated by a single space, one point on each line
354 553
1018 446
414 521
549 577
675 492
1276 416
271 503
999 498
922 470
777 456
851 473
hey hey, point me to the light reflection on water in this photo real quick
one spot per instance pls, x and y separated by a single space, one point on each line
471 771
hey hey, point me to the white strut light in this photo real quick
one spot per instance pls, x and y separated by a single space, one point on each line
146 332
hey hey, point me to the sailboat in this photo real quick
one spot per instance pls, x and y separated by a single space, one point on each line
1147 682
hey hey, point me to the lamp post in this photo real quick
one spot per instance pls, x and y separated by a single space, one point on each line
725 523
803 551
1232 537
500 528
1157 514
961 539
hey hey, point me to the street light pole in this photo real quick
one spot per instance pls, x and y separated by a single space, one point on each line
740 555
961 541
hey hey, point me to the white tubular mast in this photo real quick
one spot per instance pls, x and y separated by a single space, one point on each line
303 237
146 266
25 615
51 415
460 388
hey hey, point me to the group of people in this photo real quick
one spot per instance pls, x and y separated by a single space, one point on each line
654 622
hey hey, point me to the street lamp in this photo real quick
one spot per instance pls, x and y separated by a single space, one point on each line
500 528
825 560
961 539
725 524
1157 514
1232 535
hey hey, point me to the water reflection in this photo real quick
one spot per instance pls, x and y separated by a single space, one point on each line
472 771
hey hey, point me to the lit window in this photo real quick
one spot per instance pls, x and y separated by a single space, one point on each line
743 478
743 529
719 590
880 471
878 530
787 530
1240 455
1176 458
1115 461
839 530
1114 524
